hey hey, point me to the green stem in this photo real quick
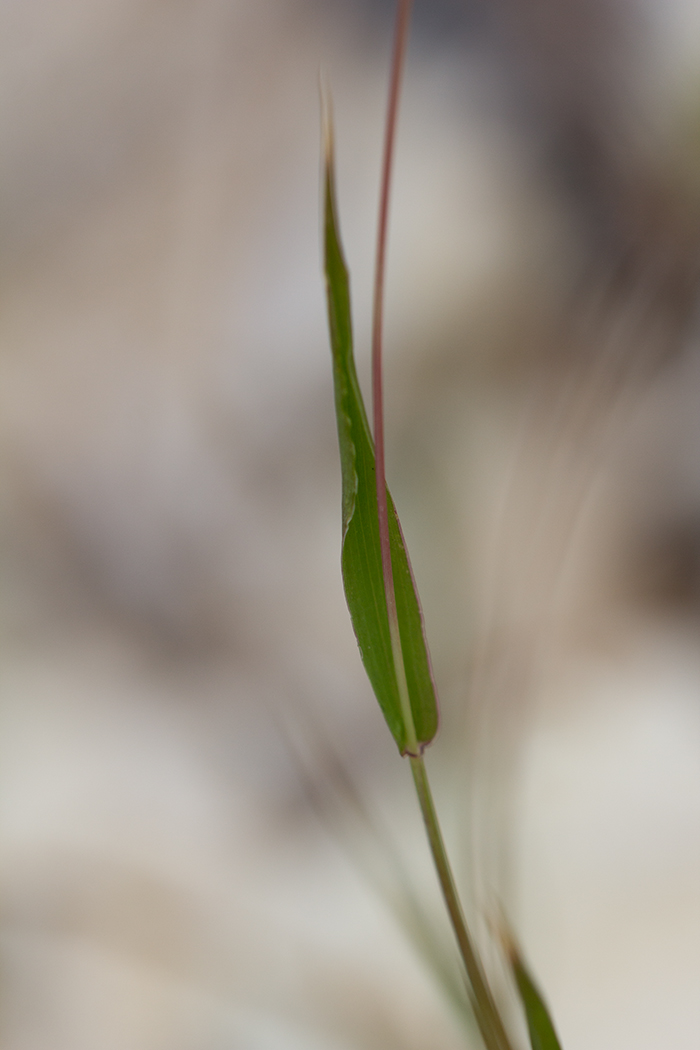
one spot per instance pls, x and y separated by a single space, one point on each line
485 1010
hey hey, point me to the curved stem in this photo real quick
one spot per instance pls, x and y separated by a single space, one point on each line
487 1016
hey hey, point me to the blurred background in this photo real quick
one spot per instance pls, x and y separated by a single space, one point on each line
198 791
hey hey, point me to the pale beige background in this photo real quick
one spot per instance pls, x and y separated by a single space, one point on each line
176 644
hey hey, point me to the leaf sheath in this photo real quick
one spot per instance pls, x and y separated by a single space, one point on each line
361 552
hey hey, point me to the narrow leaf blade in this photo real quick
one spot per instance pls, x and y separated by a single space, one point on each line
361 555
539 1023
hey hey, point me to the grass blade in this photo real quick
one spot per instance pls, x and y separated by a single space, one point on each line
539 1023
361 552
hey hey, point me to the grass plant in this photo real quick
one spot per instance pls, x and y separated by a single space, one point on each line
379 585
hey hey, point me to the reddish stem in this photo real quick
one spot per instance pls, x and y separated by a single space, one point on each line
400 42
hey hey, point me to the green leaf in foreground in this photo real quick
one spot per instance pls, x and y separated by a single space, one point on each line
361 555
539 1023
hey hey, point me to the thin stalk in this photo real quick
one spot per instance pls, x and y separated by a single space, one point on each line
485 1010
397 62
486 1013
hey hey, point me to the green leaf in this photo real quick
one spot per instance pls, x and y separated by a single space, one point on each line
361 555
542 1034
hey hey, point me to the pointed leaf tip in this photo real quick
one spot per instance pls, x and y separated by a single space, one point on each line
540 1025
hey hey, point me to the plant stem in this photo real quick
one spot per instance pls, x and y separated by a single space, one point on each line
485 1010
400 42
